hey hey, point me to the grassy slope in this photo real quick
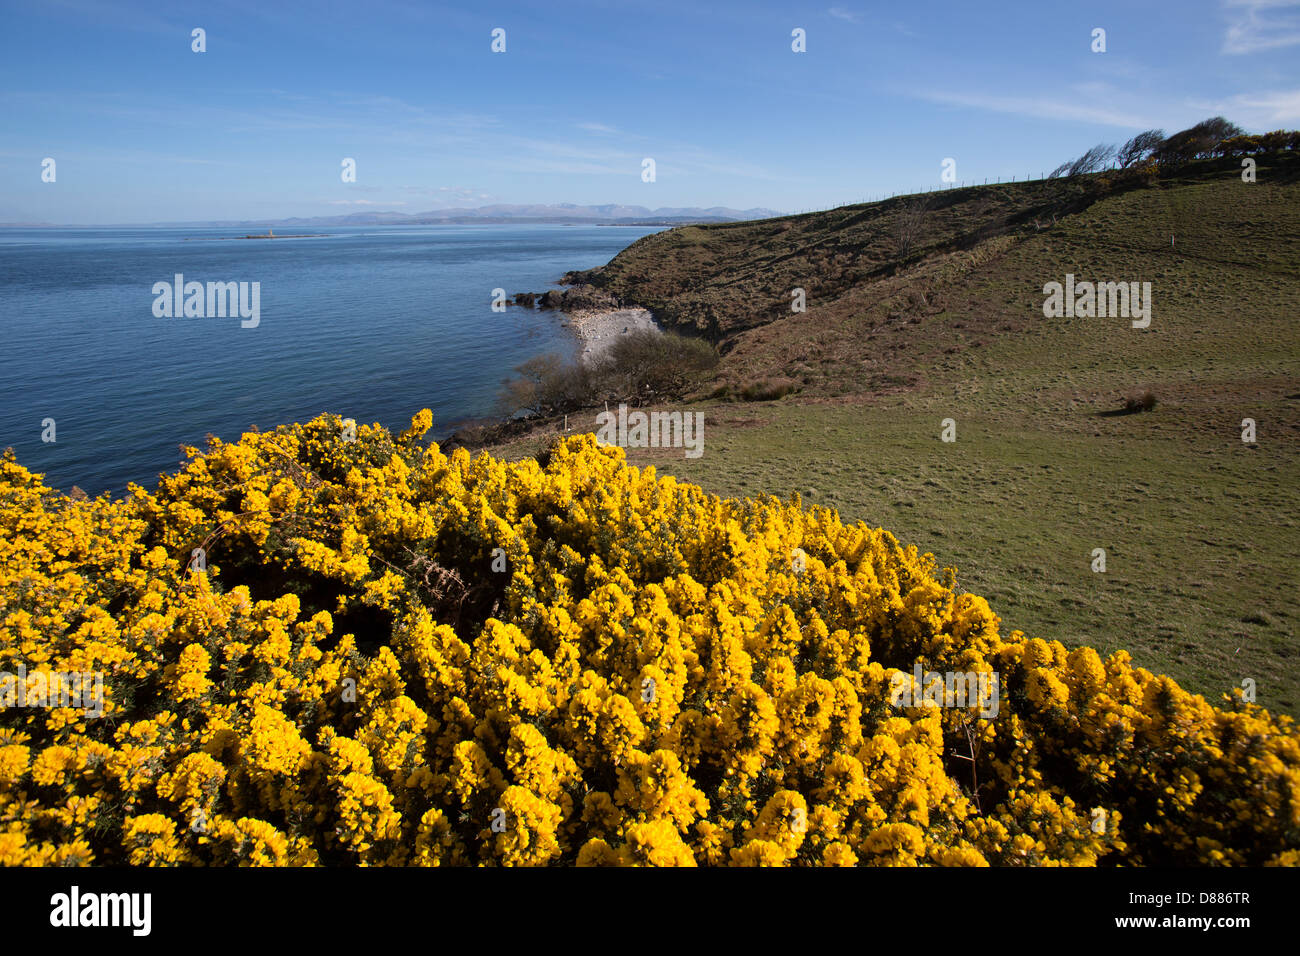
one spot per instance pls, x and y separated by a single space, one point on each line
1201 531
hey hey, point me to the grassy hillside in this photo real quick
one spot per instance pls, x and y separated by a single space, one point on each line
1200 530
723 279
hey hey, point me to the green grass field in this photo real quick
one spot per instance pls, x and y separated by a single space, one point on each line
1200 530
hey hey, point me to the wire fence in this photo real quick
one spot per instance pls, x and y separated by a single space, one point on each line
963 184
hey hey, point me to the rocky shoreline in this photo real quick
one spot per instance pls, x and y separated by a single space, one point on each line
597 317
600 330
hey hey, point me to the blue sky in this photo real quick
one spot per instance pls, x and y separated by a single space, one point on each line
143 129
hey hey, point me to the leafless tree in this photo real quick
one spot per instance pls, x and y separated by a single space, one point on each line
1092 161
909 226
1139 147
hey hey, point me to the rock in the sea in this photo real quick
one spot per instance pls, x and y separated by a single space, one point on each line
526 299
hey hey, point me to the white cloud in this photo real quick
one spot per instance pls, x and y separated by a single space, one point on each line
1267 110
363 202
1261 25
841 13
1043 107
597 127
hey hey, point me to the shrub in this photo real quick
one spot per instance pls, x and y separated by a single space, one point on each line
1140 403
909 227
646 366
1238 146
1196 141
654 675
641 368
767 390
549 385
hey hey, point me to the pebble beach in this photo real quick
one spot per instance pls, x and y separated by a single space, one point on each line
600 330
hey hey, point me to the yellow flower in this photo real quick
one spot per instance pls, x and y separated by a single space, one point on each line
575 662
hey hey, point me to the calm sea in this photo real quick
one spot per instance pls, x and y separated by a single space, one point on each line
370 323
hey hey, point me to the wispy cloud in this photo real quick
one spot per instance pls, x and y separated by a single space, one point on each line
1266 109
597 128
455 195
1042 107
1256 25
672 158
365 202
122 156
843 13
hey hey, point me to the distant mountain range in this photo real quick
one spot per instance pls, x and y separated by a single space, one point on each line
609 213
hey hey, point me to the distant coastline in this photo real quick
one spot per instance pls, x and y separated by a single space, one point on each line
609 214
304 235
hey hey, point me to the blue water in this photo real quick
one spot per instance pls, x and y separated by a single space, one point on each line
370 323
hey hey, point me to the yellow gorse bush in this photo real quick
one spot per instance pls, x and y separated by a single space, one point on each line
396 657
